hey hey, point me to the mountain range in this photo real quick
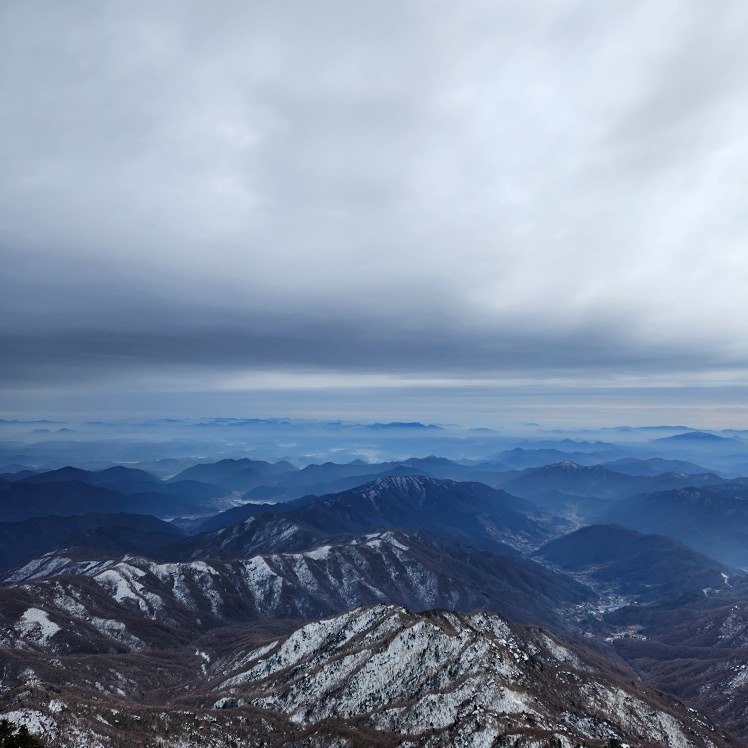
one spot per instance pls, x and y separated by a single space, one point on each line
376 676
401 610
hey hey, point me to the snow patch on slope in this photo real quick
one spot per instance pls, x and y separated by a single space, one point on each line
35 624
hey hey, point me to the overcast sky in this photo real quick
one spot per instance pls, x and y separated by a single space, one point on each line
323 208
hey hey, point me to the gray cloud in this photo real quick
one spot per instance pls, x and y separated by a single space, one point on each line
435 190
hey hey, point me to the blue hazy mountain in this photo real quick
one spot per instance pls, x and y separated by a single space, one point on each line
70 491
713 520
567 488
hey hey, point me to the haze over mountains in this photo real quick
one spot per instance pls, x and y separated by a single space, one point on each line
323 328
143 577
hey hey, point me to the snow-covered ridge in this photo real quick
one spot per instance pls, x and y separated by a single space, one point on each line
371 568
410 485
447 679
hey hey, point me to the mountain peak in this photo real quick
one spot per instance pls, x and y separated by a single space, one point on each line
569 465
407 482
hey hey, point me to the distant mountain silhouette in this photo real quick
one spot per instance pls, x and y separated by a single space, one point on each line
71 491
235 475
587 490
697 436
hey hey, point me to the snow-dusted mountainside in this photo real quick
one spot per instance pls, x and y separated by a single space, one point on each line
268 532
374 676
442 678
98 604
697 652
110 638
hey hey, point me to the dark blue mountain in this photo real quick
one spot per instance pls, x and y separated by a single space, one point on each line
649 567
469 513
98 533
713 520
235 475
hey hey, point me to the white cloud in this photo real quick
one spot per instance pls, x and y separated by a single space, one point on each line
497 186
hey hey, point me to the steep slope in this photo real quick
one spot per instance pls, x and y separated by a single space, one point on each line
713 521
285 493
327 478
238 514
22 500
377 676
696 649
407 568
266 532
71 491
469 513
443 678
565 479
106 533
330 477
646 567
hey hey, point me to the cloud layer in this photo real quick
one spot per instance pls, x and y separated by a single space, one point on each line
471 191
